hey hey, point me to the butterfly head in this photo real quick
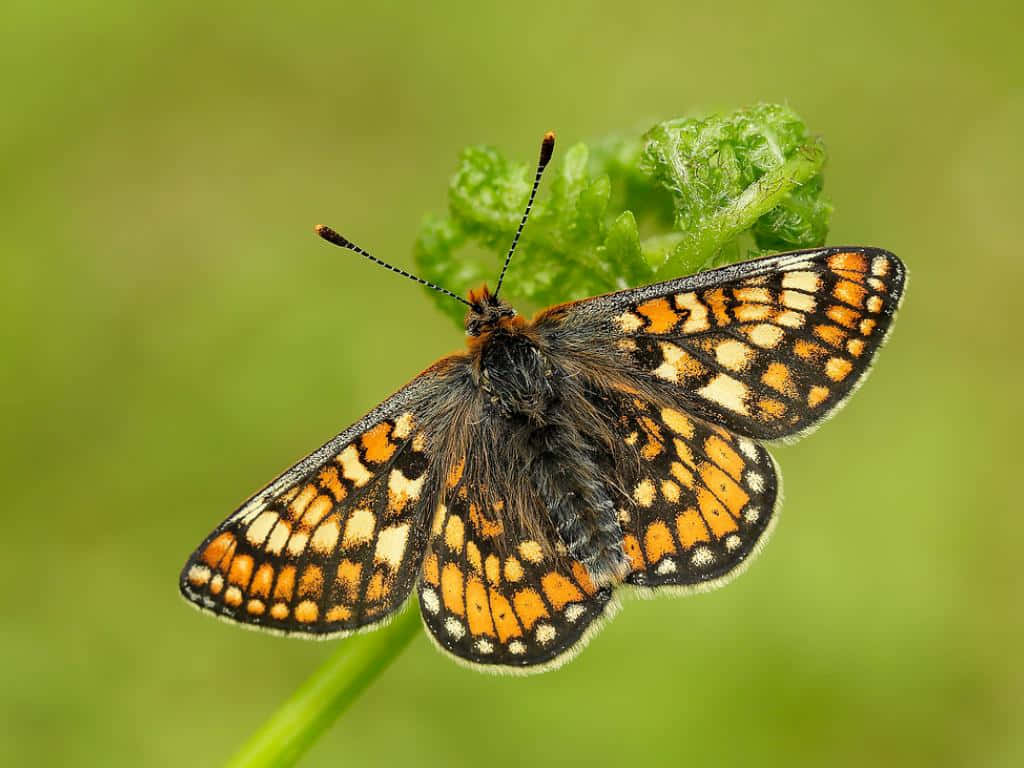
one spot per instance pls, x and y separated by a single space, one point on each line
487 313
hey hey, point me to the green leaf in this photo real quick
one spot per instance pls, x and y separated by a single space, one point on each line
702 190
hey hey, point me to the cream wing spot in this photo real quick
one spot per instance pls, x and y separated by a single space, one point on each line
733 354
359 528
430 600
404 426
644 493
545 633
326 536
260 528
727 392
802 281
454 628
401 489
391 543
765 335
798 301
352 468
628 322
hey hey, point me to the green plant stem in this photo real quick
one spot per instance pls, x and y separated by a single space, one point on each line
696 248
328 692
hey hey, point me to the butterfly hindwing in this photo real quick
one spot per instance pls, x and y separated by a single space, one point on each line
768 348
334 543
494 598
702 497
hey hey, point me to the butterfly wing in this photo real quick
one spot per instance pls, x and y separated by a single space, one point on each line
768 348
702 498
335 543
497 599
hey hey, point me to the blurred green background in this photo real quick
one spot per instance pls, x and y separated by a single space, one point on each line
173 335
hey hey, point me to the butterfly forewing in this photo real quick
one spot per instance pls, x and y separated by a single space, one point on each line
768 348
334 543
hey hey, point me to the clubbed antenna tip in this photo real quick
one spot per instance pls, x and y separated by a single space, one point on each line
331 236
547 146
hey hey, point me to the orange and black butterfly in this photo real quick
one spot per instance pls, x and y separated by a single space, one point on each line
611 442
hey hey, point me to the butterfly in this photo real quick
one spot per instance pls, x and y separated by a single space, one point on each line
609 443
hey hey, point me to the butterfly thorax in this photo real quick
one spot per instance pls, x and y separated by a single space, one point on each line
526 390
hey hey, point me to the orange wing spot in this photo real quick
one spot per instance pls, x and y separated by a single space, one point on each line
256 607
716 300
677 363
850 293
430 570
771 408
504 617
851 261
777 377
677 422
299 504
233 596
260 586
288 495
455 473
329 481
316 511
632 548
808 350
478 609
855 347
830 334
279 611
312 581
218 549
306 612
348 577
718 520
492 568
339 613
724 487
867 326
690 528
682 474
817 396
216 584
377 447
684 453
285 585
658 541
376 589
659 314
724 456
529 607
560 590
654 444
583 578
843 315
473 556
451 589
241 571
838 368
486 527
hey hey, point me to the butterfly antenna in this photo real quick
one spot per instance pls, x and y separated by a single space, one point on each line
547 146
331 236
